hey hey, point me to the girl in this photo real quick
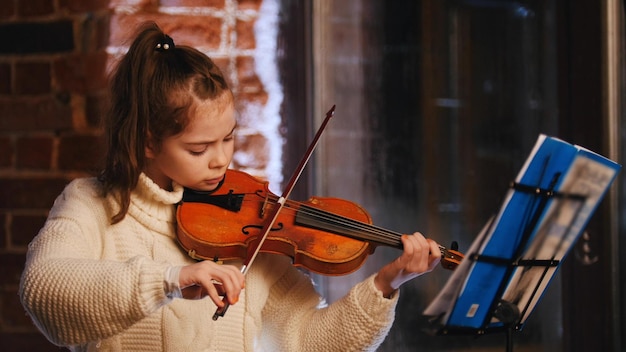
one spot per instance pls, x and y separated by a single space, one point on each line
106 272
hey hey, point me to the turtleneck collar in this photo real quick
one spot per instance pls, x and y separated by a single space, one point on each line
154 207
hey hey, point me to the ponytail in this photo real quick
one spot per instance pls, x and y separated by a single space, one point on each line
151 91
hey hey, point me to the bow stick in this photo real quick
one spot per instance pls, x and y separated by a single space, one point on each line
272 216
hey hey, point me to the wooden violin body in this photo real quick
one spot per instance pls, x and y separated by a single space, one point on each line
329 236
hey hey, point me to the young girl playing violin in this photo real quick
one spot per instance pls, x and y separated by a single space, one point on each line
106 271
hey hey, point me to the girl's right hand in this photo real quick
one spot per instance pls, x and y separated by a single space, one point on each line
207 278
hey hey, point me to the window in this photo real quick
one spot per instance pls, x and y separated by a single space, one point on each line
438 105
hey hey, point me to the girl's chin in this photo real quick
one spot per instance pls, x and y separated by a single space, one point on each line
206 186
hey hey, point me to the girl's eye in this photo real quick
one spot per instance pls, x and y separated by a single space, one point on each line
197 152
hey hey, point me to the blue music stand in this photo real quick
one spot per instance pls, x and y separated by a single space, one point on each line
513 259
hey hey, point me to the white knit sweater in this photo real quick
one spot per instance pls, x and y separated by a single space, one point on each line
90 285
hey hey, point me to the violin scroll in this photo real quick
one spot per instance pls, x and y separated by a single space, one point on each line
450 257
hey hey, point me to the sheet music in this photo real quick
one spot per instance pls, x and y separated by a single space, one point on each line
558 231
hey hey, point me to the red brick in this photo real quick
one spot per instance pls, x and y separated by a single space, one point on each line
32 78
249 4
194 3
248 96
246 71
81 73
81 6
94 33
24 228
196 31
95 108
5 78
35 113
6 156
31 8
123 27
223 63
139 4
34 152
80 153
245 34
30 193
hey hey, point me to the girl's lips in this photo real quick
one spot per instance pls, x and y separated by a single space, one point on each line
214 181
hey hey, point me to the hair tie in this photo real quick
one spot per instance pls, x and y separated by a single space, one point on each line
168 43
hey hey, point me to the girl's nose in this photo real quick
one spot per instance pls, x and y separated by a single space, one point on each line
220 158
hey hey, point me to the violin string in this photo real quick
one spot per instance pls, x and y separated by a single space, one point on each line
347 226
330 221
353 227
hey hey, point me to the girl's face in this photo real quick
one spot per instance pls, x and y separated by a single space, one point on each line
198 157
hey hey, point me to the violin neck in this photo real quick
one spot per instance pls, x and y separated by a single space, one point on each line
326 221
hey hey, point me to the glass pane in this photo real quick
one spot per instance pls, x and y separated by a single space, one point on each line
438 105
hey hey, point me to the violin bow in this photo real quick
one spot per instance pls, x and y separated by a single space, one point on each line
273 215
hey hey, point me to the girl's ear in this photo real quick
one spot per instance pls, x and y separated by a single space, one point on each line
150 150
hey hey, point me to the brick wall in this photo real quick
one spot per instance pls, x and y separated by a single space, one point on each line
53 62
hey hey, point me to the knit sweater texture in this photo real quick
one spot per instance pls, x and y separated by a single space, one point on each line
89 285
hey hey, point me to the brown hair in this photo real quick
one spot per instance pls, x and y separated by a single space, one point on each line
152 88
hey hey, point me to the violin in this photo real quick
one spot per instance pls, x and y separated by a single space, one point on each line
329 236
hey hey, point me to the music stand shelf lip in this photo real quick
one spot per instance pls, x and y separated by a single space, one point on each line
513 263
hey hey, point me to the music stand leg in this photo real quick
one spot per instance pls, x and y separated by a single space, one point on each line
509 339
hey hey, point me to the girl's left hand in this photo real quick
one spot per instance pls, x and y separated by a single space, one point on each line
420 256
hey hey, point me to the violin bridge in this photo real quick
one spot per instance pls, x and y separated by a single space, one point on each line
262 210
